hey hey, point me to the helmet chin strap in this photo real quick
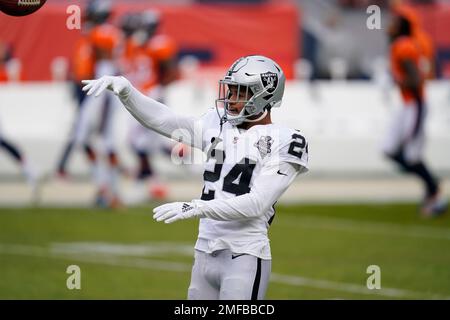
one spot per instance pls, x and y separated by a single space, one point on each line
257 119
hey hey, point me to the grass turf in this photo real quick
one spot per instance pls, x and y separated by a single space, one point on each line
319 252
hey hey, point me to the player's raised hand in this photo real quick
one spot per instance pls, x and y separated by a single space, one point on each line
171 212
118 85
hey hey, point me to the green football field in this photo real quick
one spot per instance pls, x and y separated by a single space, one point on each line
319 252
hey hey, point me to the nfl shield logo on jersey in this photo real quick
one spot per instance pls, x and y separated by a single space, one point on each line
269 81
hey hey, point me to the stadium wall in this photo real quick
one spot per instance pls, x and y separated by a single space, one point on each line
345 123
218 34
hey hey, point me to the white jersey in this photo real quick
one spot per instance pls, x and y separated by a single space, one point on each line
235 159
245 172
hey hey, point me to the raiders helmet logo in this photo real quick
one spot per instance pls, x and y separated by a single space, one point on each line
270 81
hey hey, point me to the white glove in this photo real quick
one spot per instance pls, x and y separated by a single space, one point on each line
119 85
171 212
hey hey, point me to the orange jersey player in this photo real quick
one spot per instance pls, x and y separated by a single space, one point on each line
138 65
151 61
129 24
105 40
97 116
134 62
96 13
405 141
163 50
405 66
95 54
83 59
421 39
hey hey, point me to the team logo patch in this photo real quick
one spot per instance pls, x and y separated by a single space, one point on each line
263 145
270 81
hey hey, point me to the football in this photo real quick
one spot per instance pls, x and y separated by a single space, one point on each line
20 7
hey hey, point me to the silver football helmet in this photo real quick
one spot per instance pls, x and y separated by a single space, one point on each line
259 82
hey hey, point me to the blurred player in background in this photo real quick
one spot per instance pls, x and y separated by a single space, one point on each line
97 12
404 144
5 144
150 63
421 38
96 117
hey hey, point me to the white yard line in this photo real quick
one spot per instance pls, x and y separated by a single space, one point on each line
367 227
160 265
106 259
351 288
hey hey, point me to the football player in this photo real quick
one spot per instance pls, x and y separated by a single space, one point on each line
97 13
405 141
250 162
97 118
421 38
153 68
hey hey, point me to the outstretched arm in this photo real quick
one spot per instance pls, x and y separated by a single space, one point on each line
150 113
267 189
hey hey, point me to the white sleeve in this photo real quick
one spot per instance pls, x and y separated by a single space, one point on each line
158 117
266 190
